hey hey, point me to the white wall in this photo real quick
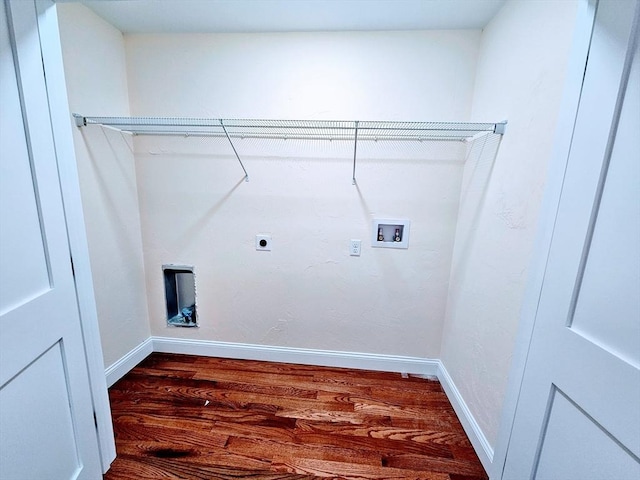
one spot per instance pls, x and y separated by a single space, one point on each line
308 292
521 67
338 75
95 70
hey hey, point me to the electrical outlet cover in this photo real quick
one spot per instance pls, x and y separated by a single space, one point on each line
355 247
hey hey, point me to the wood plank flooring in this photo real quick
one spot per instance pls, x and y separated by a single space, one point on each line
188 417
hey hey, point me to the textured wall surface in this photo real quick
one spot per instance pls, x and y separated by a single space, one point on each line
307 292
95 71
454 294
337 75
521 67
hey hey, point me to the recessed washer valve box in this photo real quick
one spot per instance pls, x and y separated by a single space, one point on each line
390 233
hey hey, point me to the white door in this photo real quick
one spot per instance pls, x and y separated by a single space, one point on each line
578 413
47 428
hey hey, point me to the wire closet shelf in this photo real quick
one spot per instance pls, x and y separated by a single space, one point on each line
347 130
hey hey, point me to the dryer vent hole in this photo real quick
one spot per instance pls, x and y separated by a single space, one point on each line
180 295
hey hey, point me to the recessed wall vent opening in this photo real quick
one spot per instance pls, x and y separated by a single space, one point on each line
180 295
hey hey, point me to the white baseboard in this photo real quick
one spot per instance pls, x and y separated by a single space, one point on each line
472 429
304 356
121 367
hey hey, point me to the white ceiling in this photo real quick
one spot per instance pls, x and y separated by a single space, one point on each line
208 16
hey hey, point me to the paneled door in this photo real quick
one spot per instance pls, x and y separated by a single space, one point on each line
47 428
578 413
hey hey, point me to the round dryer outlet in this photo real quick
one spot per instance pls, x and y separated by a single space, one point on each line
263 242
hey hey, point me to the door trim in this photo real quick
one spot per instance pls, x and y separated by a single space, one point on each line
76 232
551 200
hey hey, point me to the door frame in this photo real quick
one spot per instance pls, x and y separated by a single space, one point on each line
61 124
76 232
551 201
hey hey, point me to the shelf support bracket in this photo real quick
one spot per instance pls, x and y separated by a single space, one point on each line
355 150
500 128
246 175
80 120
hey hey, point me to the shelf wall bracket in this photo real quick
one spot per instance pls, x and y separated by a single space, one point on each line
246 175
355 151
500 128
80 120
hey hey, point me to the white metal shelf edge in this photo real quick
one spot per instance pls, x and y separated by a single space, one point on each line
353 131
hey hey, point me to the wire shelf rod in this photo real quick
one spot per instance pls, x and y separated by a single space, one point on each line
348 130
246 175
324 137
355 150
169 122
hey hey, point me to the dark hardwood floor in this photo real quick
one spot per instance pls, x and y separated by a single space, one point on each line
181 416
